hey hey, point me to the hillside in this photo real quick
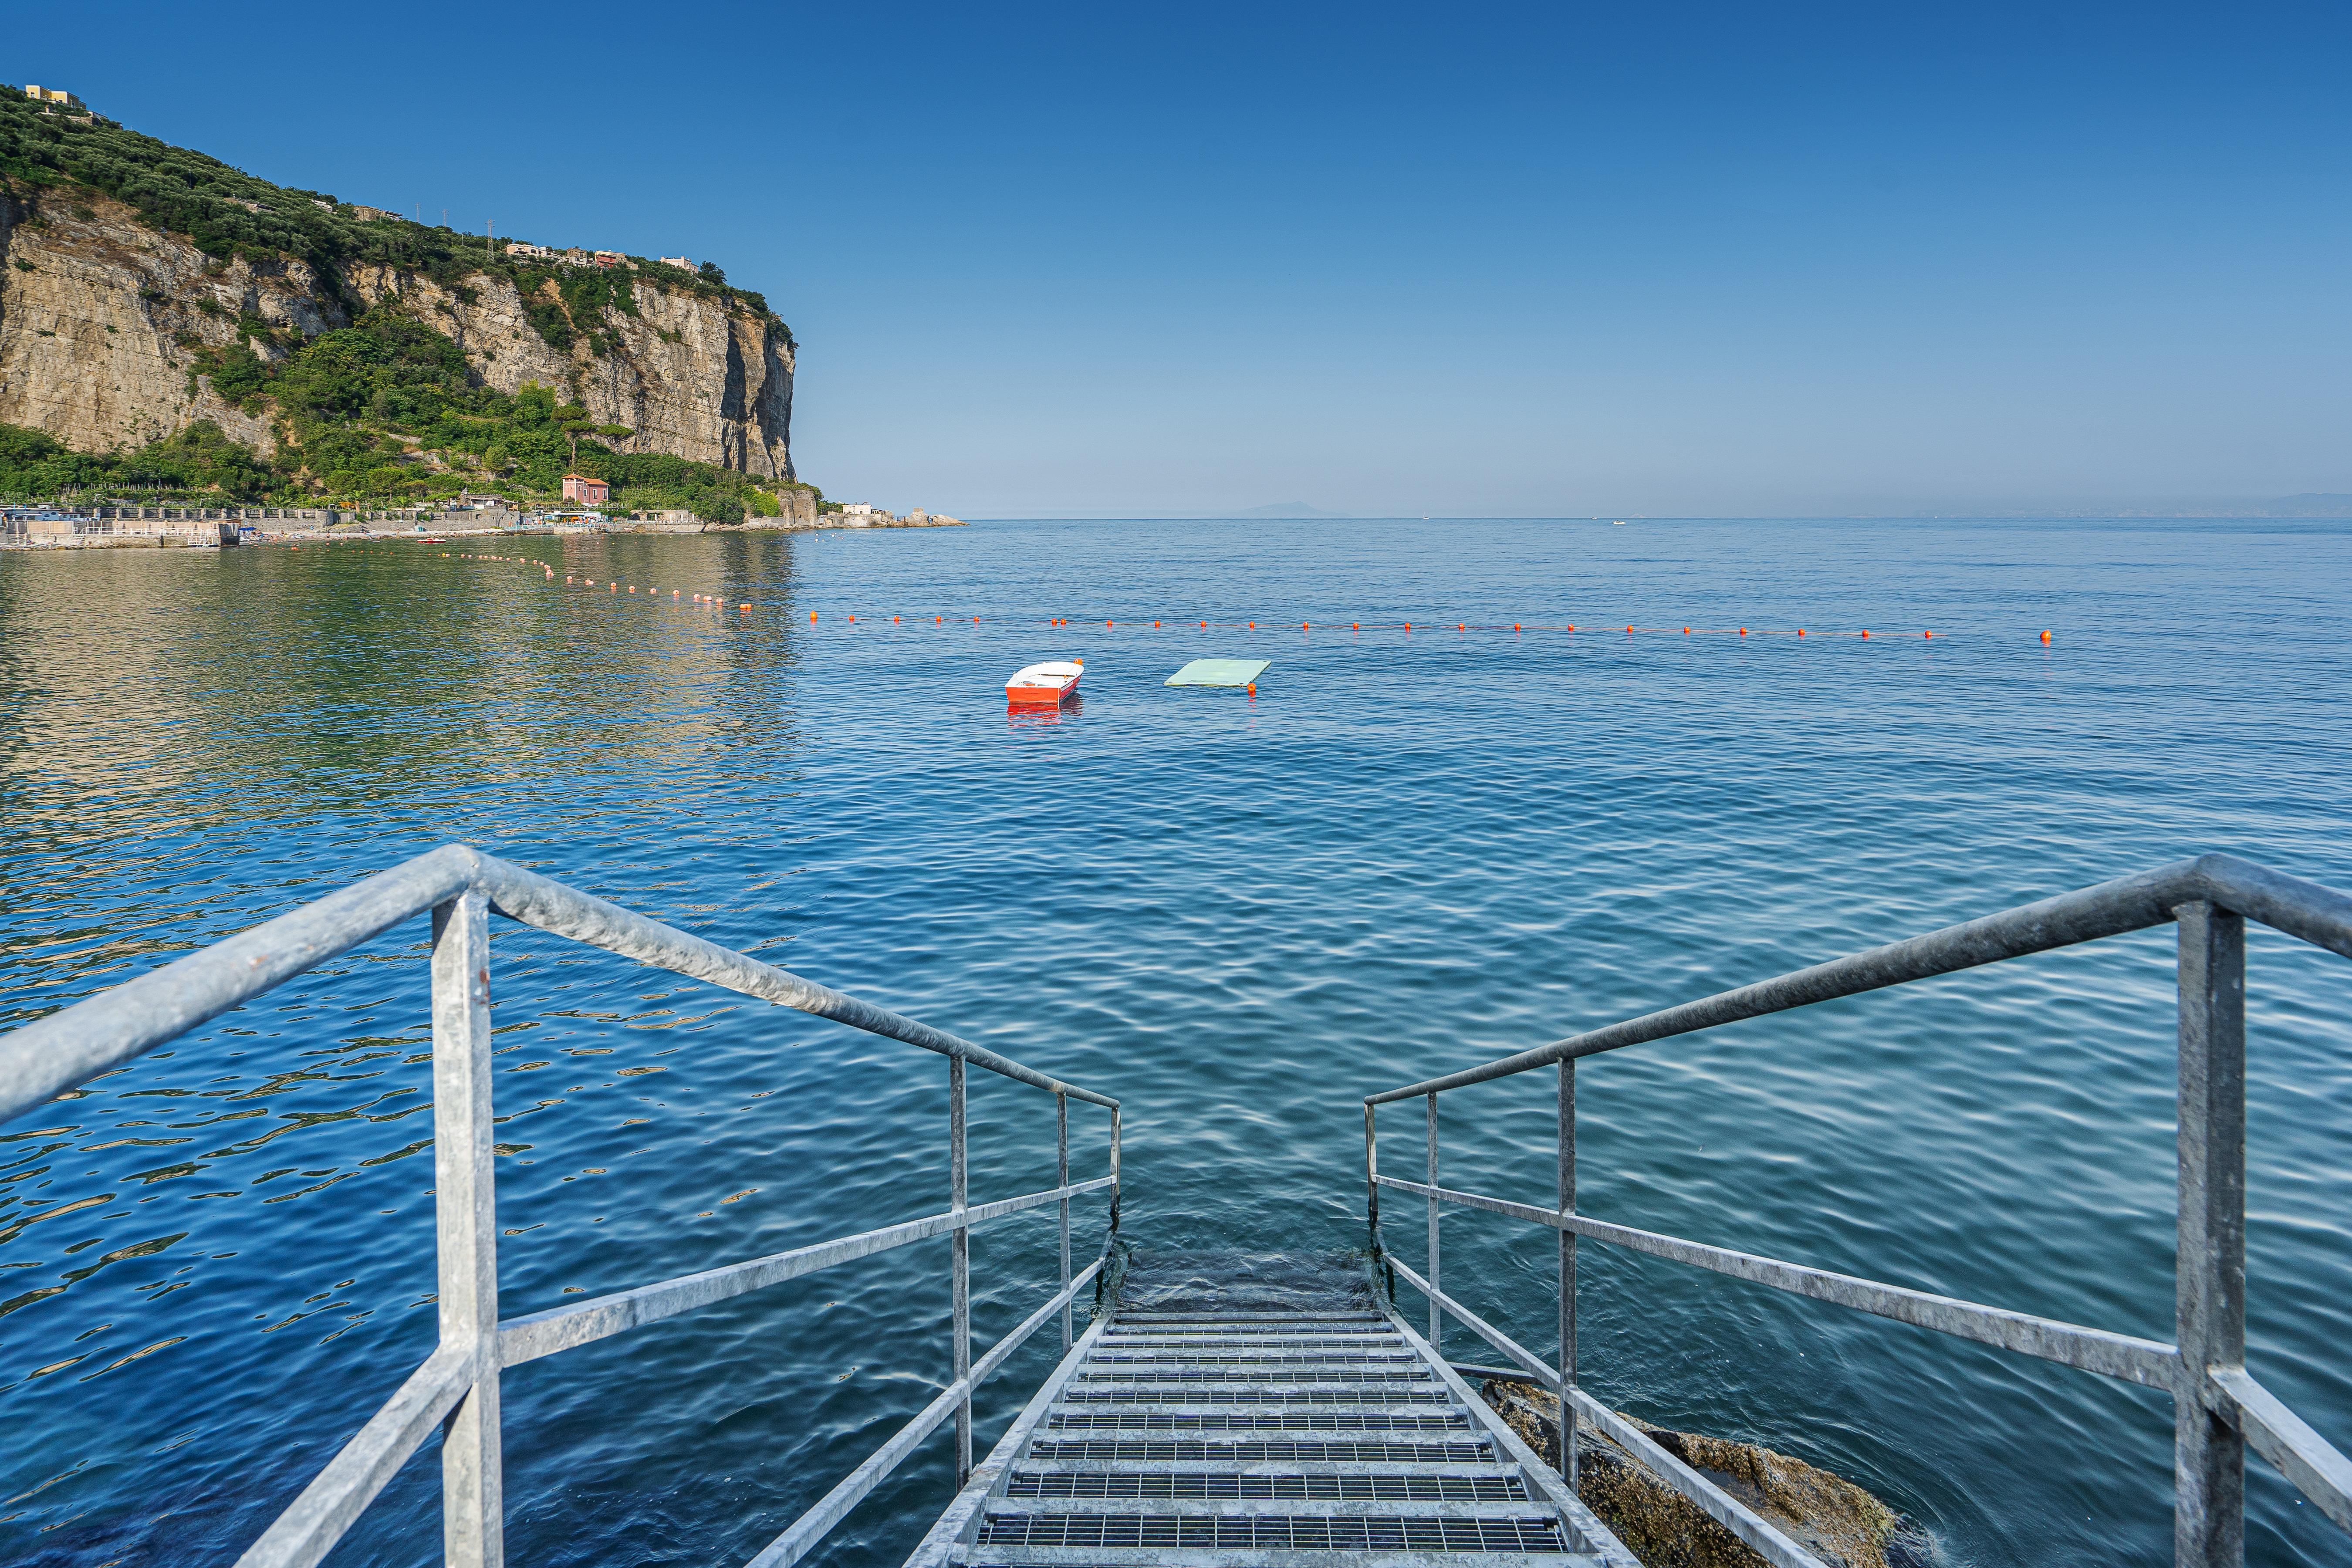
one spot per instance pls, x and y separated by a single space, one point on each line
170 325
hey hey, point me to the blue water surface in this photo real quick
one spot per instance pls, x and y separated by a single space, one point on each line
1407 852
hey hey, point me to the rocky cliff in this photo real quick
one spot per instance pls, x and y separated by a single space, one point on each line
103 317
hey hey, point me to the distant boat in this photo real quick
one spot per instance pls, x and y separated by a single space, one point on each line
1047 685
1619 523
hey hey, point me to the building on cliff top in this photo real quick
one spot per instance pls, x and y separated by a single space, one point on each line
540 252
48 94
683 263
585 491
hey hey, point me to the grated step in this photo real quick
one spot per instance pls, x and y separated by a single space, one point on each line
1399 1357
1219 1320
1254 1421
1092 1375
1466 1450
1273 1533
1429 1394
1450 1468
1257 1341
1257 1486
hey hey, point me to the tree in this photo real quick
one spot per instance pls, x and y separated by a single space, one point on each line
574 421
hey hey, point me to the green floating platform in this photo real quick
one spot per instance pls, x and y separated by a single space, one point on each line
1220 672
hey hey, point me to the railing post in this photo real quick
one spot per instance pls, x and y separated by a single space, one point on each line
1436 1312
1567 1272
473 1501
1062 1157
2208 1525
1115 1189
960 1267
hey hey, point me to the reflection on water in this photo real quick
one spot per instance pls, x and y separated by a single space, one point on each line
214 1262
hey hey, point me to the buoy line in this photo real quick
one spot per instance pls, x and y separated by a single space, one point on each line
1306 628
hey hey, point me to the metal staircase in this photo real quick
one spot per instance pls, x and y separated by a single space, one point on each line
1301 1437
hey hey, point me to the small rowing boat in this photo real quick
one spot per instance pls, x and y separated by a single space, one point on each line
1047 685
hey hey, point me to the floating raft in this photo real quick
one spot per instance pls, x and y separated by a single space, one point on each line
1220 672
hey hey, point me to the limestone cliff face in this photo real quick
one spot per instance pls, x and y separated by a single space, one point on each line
98 315
689 378
94 311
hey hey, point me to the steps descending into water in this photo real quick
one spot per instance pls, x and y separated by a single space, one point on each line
1300 1438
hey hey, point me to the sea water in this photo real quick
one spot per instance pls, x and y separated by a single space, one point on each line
1408 852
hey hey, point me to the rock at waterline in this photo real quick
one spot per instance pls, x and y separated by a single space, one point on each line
1838 1521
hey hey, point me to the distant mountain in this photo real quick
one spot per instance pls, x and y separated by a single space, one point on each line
2311 504
1288 509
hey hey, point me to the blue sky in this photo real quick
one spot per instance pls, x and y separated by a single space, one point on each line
1556 261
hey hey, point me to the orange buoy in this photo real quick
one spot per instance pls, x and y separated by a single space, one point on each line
1571 626
1155 626
1253 689
747 610
1253 625
1801 631
1865 634
1108 625
1743 631
1461 626
1355 625
1927 634
2045 637
1686 631
853 618
1629 631
811 615
937 619
1205 625
1515 626
1302 625
894 620
1408 626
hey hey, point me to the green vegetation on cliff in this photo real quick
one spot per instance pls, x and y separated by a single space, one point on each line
386 412
198 461
227 212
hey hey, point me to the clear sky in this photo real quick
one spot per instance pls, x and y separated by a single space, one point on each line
1552 259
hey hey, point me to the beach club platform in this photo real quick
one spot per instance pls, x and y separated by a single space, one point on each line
1231 1410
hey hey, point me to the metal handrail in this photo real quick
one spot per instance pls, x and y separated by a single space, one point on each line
2218 1408
457 1388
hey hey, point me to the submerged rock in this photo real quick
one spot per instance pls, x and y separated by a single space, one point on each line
1838 1521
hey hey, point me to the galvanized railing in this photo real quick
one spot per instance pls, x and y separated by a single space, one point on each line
2218 1408
457 1386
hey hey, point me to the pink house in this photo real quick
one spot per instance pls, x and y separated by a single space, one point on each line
585 491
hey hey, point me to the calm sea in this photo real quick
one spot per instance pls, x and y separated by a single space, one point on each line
1408 853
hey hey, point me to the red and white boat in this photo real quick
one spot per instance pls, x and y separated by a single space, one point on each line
1047 685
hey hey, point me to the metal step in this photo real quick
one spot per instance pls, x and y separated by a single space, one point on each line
1236 1527
1128 1372
1268 1484
1469 1449
1467 1469
1165 1557
1262 1440
1259 1395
